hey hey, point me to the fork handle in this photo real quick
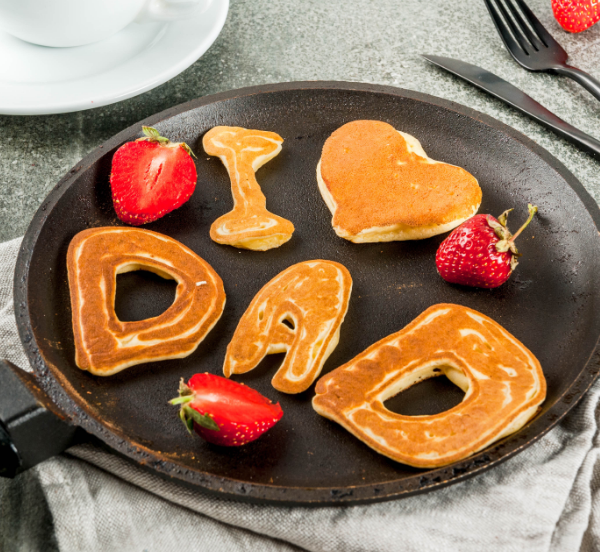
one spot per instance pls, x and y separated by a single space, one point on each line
587 81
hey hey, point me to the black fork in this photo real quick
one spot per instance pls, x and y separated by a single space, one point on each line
532 46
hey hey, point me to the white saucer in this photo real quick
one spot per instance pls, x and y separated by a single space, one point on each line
35 80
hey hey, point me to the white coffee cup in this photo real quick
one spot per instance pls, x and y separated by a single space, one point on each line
63 23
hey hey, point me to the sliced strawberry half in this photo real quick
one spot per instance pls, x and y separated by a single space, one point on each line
223 411
151 177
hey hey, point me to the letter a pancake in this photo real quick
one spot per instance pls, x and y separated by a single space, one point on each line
380 185
312 297
103 344
250 225
503 383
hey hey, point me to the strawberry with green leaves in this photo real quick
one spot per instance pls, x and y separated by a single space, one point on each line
481 252
224 412
151 177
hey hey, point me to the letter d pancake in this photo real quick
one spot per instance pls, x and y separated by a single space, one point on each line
502 380
104 345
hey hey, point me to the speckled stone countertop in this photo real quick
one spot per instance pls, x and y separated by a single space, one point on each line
277 41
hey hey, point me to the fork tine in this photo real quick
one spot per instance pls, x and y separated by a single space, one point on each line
533 38
509 41
540 30
515 31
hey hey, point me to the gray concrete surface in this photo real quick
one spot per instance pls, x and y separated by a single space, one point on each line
375 41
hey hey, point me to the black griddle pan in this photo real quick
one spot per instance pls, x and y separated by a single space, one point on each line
550 303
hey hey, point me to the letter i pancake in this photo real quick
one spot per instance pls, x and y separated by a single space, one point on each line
250 225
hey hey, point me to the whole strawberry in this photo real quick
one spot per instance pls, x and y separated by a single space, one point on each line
223 411
576 15
481 252
150 177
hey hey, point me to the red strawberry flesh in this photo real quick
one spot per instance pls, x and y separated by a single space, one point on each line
239 402
150 178
469 256
576 16
481 252
241 413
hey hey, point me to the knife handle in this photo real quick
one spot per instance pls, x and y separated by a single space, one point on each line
510 94
533 109
569 132
587 81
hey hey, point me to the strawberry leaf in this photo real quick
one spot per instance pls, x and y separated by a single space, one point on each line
499 229
503 218
150 132
152 135
187 422
188 149
203 420
186 395
187 414
184 390
502 246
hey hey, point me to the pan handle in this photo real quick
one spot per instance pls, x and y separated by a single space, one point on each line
31 428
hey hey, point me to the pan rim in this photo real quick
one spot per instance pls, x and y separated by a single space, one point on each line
243 490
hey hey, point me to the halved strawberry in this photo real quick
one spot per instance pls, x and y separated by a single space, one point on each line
150 177
223 411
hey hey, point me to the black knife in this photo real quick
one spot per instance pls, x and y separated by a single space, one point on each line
510 94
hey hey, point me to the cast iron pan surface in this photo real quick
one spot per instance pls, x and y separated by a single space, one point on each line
549 303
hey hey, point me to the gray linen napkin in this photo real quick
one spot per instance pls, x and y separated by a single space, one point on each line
88 499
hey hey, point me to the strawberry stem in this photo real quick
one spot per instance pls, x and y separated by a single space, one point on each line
532 211
182 400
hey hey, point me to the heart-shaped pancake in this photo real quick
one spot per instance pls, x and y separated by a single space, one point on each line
380 185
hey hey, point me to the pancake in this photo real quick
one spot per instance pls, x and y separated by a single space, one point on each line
250 225
503 383
380 186
103 344
299 312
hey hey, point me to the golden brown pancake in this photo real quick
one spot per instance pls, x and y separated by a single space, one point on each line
312 298
103 344
380 185
250 225
502 380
